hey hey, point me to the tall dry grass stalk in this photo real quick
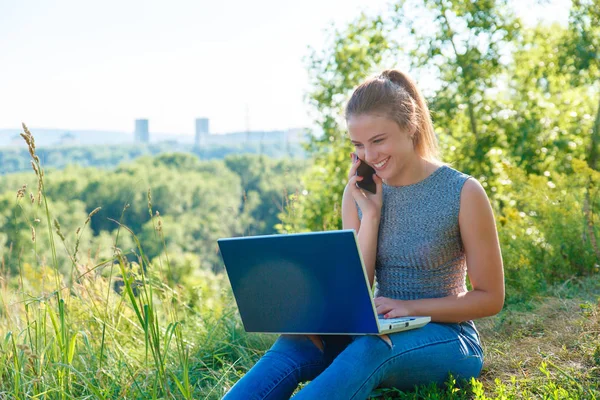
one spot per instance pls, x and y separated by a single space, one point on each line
80 339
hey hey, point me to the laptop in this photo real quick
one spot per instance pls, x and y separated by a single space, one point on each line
306 283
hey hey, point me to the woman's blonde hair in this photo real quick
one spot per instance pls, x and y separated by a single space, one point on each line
395 95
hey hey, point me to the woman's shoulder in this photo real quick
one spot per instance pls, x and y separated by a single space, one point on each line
447 170
468 182
472 193
448 179
461 189
473 190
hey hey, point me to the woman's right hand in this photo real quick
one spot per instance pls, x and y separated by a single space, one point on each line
369 203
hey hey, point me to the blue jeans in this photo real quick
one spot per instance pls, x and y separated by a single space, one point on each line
350 367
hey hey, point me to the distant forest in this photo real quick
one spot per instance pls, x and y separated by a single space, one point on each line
18 159
196 201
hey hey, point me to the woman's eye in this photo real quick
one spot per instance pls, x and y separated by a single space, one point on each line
357 145
377 140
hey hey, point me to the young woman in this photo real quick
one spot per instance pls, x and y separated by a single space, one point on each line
427 227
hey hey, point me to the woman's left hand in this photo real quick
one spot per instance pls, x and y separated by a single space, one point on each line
391 308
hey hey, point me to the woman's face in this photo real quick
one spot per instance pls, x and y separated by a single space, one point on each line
380 142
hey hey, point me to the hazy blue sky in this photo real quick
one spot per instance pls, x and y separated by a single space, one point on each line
99 65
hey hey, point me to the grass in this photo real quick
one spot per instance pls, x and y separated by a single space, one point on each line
72 336
548 348
559 332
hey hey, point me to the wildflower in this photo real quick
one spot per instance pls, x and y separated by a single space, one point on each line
26 138
94 212
159 224
39 194
35 169
25 349
58 232
21 192
76 244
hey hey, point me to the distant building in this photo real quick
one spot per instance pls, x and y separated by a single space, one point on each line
141 131
202 131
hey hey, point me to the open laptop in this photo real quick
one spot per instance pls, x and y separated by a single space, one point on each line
307 283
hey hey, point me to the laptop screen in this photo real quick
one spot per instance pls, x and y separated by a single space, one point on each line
300 283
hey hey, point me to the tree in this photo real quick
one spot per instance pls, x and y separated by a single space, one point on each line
581 59
543 115
461 43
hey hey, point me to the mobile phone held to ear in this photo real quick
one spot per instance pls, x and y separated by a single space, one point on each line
367 183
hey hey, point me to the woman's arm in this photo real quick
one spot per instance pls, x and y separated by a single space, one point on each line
484 268
367 230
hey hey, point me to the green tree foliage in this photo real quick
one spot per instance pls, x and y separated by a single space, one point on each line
22 221
546 228
266 184
17 160
543 116
581 58
197 203
463 45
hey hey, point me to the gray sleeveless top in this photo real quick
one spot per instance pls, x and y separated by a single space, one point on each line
419 251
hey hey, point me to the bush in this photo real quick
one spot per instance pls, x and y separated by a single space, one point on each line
546 227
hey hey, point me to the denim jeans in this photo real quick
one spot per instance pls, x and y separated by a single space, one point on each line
350 367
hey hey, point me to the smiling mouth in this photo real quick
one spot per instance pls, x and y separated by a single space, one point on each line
381 164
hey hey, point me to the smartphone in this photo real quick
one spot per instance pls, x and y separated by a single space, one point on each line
366 171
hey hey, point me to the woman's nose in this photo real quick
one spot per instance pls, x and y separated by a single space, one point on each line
370 155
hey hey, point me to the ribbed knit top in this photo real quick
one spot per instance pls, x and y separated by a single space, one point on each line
419 251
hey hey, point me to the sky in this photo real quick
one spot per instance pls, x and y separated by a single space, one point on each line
100 65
